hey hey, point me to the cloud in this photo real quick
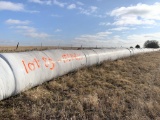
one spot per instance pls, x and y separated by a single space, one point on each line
71 6
10 6
58 30
99 39
148 36
13 21
105 23
60 4
37 35
80 3
36 1
140 39
91 10
47 2
32 11
109 39
100 36
119 28
31 32
6 5
148 27
140 14
122 28
23 28
55 15
134 39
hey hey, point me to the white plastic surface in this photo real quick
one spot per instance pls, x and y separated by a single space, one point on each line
91 57
113 54
105 54
24 70
66 60
7 81
29 69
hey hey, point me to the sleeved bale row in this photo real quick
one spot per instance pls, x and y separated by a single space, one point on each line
24 70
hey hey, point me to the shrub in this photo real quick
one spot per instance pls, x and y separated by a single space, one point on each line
137 46
151 44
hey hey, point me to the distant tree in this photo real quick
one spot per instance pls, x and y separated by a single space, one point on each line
151 44
137 46
131 47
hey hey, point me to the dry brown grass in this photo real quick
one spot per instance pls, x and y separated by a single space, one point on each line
34 48
128 88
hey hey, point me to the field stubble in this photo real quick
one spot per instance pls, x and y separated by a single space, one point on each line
6 49
127 88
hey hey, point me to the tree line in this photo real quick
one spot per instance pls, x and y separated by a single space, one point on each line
149 44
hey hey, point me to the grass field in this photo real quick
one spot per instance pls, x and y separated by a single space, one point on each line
31 48
128 88
27 48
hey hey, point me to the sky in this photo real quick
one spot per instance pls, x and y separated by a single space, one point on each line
101 23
